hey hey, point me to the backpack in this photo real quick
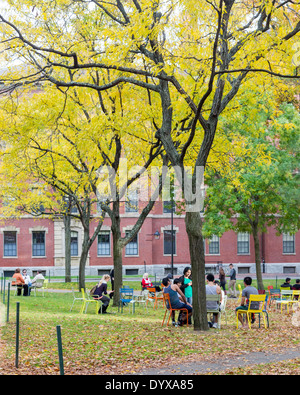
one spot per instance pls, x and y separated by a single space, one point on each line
93 290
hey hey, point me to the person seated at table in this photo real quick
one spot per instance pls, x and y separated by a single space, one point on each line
173 290
20 283
39 276
101 292
146 282
26 279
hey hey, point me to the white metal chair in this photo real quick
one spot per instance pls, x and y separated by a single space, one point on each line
13 287
223 307
38 284
285 299
75 298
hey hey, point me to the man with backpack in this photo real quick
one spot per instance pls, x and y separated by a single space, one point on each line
232 282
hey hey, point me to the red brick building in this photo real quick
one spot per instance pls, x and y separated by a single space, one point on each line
39 244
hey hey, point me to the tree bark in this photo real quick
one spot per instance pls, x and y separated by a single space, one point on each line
196 246
117 251
257 257
67 224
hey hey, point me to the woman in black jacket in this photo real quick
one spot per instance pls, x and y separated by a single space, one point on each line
101 292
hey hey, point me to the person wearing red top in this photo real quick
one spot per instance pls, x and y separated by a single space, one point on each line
146 282
20 283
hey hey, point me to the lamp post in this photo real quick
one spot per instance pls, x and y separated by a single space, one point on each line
172 239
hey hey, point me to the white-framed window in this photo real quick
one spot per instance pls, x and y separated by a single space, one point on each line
9 243
243 246
104 243
288 243
38 243
132 248
74 243
168 242
214 245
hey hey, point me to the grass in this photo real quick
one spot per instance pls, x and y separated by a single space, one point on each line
124 343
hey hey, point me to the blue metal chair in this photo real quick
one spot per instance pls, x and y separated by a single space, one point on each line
126 299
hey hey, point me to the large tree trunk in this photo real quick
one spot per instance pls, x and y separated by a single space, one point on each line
67 224
83 257
194 231
260 284
117 252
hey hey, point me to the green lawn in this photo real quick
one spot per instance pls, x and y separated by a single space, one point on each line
123 343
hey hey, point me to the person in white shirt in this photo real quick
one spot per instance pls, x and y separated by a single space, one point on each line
39 276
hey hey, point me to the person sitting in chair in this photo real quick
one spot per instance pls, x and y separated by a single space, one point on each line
173 290
101 292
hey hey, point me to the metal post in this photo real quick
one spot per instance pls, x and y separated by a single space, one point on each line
60 351
4 292
17 334
8 297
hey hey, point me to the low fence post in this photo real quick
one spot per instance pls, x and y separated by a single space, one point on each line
60 350
8 298
17 334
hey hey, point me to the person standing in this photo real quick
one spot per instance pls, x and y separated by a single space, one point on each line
222 279
186 284
232 281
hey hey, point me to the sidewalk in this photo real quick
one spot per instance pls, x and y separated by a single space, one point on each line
225 363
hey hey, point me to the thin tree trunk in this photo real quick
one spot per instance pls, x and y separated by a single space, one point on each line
67 224
196 246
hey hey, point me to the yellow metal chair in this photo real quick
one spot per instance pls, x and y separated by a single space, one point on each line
86 300
261 299
295 299
45 286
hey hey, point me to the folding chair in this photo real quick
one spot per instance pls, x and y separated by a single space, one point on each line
39 284
261 299
153 295
74 298
126 299
214 298
86 300
285 300
166 299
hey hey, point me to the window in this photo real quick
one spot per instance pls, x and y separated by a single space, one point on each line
243 243
38 243
10 244
74 243
214 245
168 242
131 272
132 247
289 269
104 243
288 243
